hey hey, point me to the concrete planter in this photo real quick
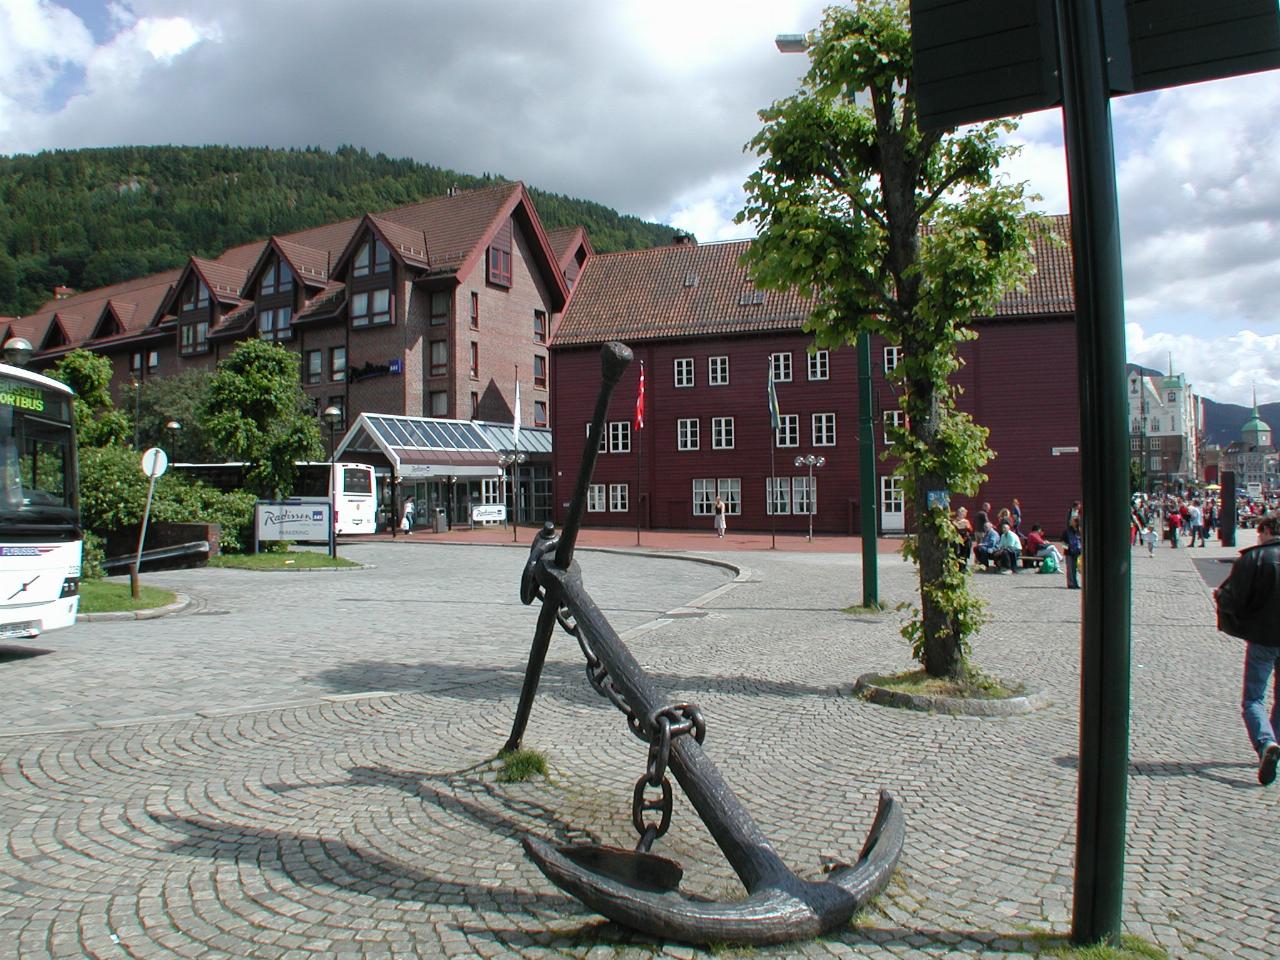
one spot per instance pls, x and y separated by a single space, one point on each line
867 687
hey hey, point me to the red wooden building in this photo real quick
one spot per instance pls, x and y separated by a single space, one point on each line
708 338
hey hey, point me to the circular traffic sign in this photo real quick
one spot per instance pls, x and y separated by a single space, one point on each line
154 462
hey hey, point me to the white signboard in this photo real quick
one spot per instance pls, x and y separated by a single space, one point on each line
1254 489
488 512
299 518
154 462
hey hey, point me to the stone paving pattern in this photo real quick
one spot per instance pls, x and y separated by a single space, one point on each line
301 765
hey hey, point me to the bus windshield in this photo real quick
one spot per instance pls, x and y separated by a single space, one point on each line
37 459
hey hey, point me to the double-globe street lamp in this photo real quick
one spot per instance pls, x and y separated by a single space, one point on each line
811 461
513 460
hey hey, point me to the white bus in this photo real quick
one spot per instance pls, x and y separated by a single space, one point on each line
350 487
40 534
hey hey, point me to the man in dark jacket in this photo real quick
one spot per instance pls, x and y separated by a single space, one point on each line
1249 608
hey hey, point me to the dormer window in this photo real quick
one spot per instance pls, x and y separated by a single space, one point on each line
195 295
370 308
278 278
500 256
372 257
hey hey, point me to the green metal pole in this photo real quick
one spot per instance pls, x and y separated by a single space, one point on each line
867 474
1105 655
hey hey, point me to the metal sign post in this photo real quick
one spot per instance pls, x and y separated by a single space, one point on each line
154 463
975 60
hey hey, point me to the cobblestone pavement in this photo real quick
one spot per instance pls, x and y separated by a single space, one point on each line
301 765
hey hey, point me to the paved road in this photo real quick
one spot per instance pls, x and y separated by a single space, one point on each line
360 816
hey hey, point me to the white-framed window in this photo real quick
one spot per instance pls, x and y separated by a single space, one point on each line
722 433
788 432
718 371
1155 463
687 434
777 492
704 496
595 498
620 436
824 430
1156 442
804 494
892 357
730 490
705 490
684 371
618 498
892 419
820 365
604 437
780 366
1135 443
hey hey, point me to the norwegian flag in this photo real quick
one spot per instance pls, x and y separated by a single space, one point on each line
640 400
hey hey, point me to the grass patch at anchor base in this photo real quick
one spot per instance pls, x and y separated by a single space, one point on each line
521 765
99 596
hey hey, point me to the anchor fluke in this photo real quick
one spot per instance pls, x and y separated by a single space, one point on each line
781 909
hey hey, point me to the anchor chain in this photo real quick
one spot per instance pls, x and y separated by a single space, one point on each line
675 720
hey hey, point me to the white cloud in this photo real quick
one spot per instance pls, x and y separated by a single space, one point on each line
640 104
1226 368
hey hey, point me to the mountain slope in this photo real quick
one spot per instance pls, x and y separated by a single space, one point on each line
89 218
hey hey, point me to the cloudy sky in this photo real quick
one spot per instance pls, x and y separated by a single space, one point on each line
643 105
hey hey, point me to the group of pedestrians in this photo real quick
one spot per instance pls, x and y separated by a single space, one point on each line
997 544
1171 520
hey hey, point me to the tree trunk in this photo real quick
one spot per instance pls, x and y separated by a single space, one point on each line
942 651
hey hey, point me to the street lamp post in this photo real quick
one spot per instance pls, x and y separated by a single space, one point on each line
172 427
811 461
18 351
799 43
332 416
513 460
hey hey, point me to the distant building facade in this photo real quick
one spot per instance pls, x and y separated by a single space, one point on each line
1166 431
1253 457
709 340
428 310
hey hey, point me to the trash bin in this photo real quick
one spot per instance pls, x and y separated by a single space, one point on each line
442 523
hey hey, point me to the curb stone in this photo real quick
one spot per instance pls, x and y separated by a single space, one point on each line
151 613
866 687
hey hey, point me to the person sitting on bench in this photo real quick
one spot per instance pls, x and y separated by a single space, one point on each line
1037 546
1009 552
988 547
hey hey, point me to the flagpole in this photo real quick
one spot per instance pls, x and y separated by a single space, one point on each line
775 420
639 418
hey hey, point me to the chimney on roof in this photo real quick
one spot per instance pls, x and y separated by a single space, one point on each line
454 190
62 293
682 239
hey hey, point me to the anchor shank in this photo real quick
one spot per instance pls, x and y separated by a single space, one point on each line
735 832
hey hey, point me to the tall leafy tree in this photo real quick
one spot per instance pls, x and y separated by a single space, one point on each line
256 411
901 233
98 422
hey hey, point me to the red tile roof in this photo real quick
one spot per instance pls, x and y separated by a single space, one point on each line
688 290
684 290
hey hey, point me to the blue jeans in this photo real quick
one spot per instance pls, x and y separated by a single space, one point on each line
1261 663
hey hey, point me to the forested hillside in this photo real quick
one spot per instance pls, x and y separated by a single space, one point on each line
87 218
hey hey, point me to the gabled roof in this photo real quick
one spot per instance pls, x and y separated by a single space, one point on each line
309 265
700 290
683 290
113 319
565 243
450 234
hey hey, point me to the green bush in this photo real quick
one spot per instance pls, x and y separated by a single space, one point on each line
91 564
113 495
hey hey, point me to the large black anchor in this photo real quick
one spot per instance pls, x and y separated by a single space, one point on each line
638 888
